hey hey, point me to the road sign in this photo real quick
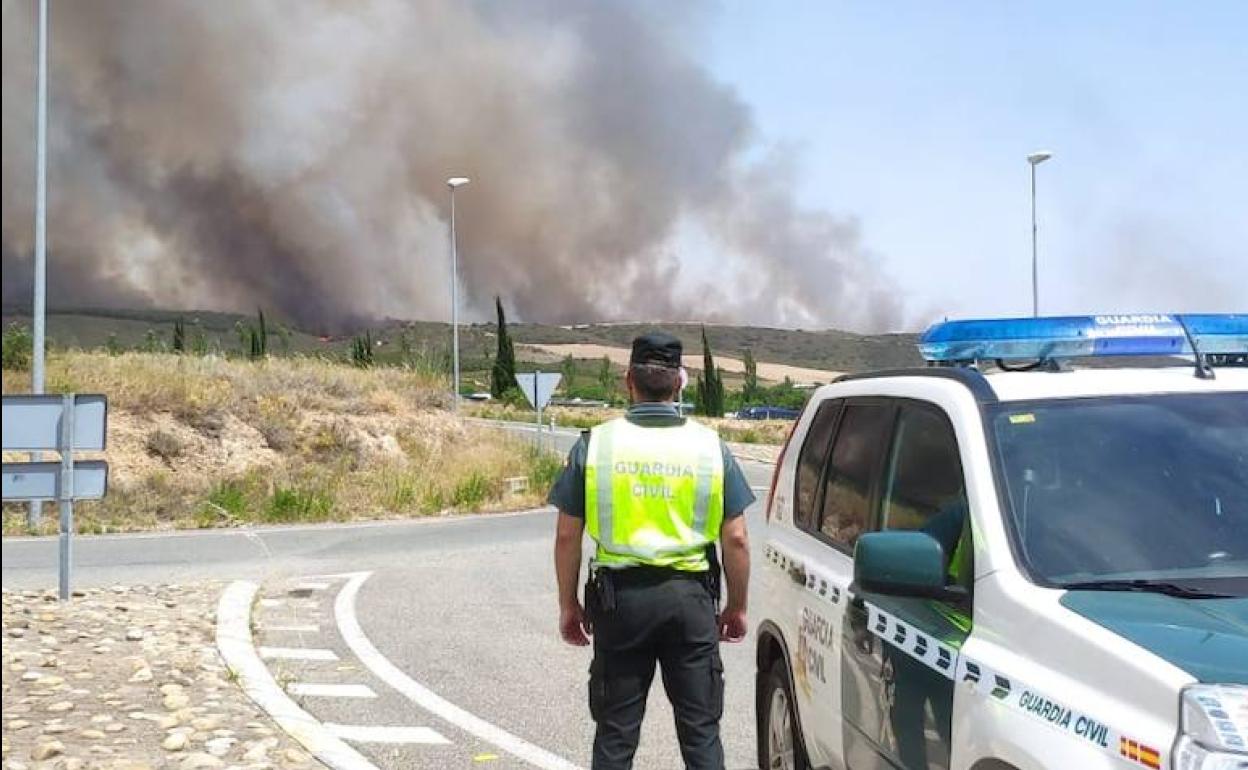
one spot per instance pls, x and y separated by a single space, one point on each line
538 387
33 423
42 481
60 423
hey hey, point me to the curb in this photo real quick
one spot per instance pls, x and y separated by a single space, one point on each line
235 644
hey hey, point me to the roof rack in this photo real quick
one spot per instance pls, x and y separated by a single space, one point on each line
972 378
1213 340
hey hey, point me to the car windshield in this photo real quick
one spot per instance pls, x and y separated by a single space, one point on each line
1139 489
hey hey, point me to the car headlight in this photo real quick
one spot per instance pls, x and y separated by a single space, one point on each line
1213 732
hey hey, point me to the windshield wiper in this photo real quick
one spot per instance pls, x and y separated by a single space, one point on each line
1145 586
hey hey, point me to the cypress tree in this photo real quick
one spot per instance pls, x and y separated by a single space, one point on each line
503 372
710 387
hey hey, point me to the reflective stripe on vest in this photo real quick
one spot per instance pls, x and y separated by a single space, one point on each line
654 495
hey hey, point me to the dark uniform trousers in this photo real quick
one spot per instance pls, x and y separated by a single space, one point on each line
664 618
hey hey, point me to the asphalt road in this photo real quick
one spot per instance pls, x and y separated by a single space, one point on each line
464 607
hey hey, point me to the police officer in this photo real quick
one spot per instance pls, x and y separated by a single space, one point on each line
655 491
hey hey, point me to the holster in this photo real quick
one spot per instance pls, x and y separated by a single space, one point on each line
600 592
714 576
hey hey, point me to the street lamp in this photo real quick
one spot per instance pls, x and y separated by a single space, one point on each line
1035 159
452 183
38 310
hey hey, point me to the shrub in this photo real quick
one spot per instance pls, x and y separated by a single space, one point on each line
288 504
18 346
165 445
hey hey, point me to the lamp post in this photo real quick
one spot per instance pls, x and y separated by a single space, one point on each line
1035 159
39 305
452 183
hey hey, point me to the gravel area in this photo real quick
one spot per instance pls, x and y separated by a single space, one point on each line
128 678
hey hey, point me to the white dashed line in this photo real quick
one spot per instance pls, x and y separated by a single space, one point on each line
319 690
382 734
383 669
296 653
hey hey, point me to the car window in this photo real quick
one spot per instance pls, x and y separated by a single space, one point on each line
924 488
846 509
924 476
810 462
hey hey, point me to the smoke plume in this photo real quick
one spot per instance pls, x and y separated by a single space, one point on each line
293 155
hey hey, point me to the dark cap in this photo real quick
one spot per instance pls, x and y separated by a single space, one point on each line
657 348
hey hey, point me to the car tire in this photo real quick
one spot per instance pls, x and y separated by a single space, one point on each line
779 739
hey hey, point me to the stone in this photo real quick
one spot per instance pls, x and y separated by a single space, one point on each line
200 761
17 724
294 756
60 707
172 688
134 634
92 734
256 754
114 727
51 681
219 747
168 721
73 763
174 742
176 701
47 750
57 729
206 724
142 675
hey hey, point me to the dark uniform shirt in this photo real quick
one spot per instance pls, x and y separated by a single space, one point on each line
568 493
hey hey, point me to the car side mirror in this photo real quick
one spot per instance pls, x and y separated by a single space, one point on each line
902 564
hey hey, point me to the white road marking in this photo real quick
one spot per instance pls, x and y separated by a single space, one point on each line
296 653
309 629
327 690
270 603
383 734
383 669
235 643
311 587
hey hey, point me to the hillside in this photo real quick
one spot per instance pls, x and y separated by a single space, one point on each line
828 350
209 441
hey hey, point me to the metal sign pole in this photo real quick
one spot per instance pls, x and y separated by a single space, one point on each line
541 439
66 501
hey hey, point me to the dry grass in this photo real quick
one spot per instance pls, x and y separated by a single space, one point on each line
198 442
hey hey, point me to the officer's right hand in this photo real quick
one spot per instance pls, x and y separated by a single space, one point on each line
732 625
573 626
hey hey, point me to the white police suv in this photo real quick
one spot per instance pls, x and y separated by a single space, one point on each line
1045 566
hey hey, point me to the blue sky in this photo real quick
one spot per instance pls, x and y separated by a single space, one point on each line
916 117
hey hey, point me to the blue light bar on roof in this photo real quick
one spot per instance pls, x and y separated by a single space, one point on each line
1073 336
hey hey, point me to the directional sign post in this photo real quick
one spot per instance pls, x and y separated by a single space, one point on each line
538 387
64 424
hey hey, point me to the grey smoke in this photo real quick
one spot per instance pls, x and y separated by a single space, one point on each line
292 155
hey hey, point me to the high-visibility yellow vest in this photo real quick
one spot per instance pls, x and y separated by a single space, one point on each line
653 495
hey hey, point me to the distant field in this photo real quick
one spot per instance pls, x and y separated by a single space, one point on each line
693 360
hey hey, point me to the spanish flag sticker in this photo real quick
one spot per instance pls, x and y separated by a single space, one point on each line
1145 755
